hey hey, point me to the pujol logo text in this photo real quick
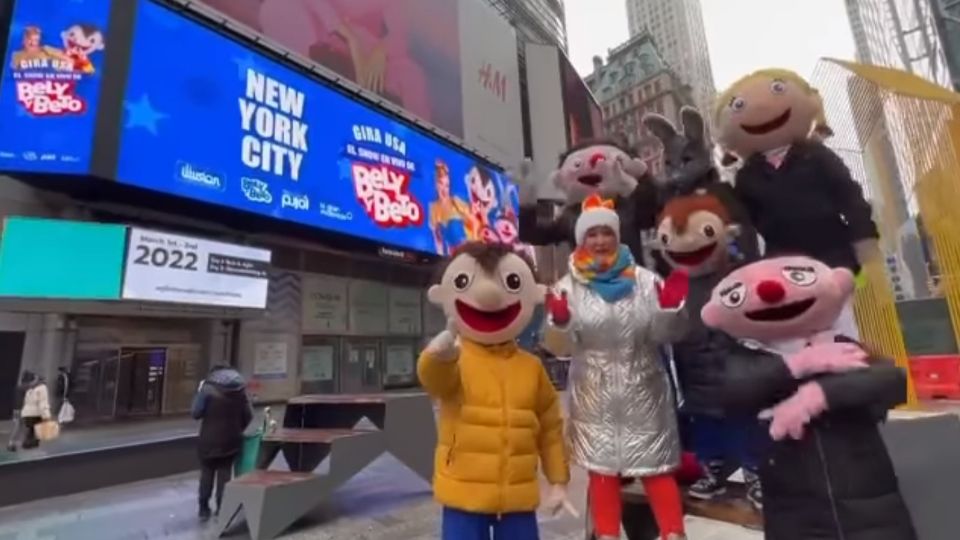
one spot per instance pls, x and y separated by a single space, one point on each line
296 201
385 195
187 172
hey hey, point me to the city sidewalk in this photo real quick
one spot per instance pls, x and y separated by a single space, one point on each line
385 502
74 439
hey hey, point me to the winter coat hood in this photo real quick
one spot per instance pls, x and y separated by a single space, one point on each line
227 380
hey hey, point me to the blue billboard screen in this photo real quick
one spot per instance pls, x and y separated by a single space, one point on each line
207 118
51 84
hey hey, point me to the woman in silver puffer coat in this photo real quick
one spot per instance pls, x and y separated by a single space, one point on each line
622 415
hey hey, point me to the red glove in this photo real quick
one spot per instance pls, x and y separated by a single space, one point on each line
557 308
674 290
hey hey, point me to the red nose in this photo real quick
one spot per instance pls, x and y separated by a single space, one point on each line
771 291
597 158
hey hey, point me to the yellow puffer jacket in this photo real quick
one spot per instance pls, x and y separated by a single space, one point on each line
499 418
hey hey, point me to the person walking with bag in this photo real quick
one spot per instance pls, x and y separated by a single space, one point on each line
16 428
35 409
224 410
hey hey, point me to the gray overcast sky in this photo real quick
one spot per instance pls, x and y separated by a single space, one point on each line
743 35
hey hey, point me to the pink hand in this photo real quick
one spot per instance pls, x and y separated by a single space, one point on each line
791 416
826 358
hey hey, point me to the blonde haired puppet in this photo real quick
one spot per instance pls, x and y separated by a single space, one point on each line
799 193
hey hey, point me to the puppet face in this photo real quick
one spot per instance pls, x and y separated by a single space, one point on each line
781 298
765 113
483 194
595 169
701 247
687 156
80 39
488 307
600 241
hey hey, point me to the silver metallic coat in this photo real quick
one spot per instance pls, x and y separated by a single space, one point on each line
622 414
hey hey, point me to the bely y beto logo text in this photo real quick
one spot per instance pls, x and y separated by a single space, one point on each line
385 195
50 98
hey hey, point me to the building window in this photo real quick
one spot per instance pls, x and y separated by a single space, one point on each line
656 86
659 107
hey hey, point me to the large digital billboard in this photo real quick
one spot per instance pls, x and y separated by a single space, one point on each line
406 51
51 84
207 118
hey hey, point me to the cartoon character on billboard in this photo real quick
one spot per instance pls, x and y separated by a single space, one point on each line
447 213
482 194
33 51
80 41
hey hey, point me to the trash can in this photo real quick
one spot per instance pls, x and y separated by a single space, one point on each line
247 461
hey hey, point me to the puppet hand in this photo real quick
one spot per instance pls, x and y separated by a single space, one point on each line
826 358
674 290
558 308
867 251
523 177
557 500
622 182
443 346
791 416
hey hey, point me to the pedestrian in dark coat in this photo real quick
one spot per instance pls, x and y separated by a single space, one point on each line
222 406
827 474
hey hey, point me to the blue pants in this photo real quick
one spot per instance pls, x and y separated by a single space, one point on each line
740 439
459 525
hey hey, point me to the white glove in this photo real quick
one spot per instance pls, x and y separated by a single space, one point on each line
624 183
444 345
523 177
558 500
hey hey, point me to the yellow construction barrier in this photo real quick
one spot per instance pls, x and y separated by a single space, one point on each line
900 134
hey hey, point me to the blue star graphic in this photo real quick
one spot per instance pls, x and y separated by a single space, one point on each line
243 64
142 114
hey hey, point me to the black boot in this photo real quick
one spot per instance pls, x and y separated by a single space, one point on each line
711 485
204 513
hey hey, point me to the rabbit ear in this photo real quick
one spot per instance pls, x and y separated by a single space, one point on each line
661 128
693 125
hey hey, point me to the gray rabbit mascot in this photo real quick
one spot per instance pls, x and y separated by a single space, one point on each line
702 230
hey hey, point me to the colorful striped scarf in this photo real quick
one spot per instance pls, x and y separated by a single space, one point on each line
611 277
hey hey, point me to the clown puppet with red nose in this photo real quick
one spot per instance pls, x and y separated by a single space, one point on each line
800 195
599 167
827 474
500 418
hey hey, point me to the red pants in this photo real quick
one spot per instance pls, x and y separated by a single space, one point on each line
662 492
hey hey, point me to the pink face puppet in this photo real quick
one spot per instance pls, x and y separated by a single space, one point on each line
779 298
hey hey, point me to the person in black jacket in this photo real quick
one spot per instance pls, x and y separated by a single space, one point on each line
696 234
827 475
222 406
798 193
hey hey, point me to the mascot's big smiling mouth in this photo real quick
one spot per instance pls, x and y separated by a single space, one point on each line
773 125
487 321
592 180
782 313
693 258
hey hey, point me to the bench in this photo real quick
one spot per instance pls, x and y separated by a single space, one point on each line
319 427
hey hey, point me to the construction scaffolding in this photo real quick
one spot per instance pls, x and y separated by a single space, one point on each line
900 134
